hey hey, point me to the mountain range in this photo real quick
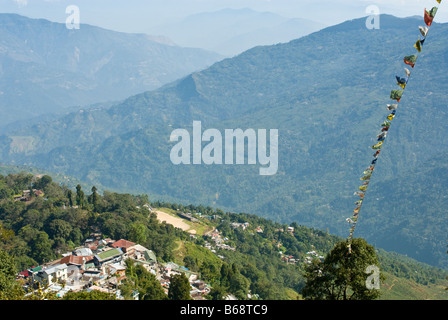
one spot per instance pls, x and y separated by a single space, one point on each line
326 93
46 67
232 31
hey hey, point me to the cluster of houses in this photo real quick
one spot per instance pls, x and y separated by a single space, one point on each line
239 225
289 259
100 265
288 229
27 195
311 255
217 242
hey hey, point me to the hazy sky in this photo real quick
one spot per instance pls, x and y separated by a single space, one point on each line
143 15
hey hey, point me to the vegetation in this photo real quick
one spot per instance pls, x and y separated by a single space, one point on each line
326 93
140 280
179 287
40 229
92 295
343 276
9 288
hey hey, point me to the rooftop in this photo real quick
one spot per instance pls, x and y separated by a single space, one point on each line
109 254
55 268
123 244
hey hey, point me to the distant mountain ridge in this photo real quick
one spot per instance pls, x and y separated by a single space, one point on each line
45 67
232 31
326 93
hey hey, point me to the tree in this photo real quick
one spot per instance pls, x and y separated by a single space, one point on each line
191 263
179 287
93 199
226 275
239 286
217 293
41 247
210 272
80 196
9 287
92 295
5 235
137 233
342 275
59 229
140 279
70 198
43 182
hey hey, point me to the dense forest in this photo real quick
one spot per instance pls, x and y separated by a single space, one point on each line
38 226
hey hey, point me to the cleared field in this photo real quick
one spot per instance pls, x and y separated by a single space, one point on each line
176 222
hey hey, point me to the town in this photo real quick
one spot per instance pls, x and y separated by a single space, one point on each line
100 265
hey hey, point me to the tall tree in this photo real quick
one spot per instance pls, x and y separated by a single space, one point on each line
70 198
80 196
179 287
343 276
93 199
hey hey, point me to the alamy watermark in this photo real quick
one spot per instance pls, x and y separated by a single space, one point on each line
190 150
73 20
373 20
373 280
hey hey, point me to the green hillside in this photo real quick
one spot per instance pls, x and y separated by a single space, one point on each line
326 94
42 229
46 67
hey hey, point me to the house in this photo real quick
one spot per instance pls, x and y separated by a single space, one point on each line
52 274
239 225
58 290
83 252
38 193
108 256
142 254
24 275
187 216
26 195
78 261
116 269
124 245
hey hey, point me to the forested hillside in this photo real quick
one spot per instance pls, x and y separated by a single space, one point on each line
326 94
40 228
47 68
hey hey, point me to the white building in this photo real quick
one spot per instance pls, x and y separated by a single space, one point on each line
53 274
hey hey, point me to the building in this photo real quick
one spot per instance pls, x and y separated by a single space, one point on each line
53 274
83 252
108 256
79 261
116 268
142 255
124 245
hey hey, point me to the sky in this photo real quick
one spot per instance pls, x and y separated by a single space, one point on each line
142 16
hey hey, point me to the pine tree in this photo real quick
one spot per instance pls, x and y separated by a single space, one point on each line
80 196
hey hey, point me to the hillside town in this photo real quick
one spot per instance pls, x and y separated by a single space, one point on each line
100 265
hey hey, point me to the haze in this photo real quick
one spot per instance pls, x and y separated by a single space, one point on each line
143 16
